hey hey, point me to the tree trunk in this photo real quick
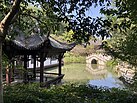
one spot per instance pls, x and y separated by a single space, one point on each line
4 24
1 78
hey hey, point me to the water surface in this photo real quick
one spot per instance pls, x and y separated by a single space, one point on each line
93 75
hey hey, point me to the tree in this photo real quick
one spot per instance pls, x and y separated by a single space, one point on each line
47 15
123 30
4 25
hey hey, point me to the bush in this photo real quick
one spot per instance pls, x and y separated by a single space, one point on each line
68 93
71 58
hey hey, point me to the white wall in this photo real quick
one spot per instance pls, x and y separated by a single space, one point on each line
49 61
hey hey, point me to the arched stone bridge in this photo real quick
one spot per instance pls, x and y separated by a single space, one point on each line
97 58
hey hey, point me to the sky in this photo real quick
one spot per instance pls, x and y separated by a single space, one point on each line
94 12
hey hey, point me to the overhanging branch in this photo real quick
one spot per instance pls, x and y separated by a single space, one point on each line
34 17
14 10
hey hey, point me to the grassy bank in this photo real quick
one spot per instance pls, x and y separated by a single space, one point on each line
73 58
69 93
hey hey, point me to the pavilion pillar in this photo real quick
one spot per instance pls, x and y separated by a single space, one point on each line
25 71
60 64
41 67
34 67
50 61
13 69
7 74
10 72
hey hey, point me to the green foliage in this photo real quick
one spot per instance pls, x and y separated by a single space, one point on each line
68 36
48 16
69 93
64 36
72 58
124 46
123 28
112 63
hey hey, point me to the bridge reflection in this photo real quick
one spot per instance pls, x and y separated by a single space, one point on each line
101 76
96 65
97 71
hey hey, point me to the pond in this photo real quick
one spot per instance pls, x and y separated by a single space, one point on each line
93 75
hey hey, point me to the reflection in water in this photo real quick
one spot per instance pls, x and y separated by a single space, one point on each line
76 73
94 66
102 77
93 74
109 81
97 71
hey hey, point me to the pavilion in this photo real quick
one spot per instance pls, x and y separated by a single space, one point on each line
38 48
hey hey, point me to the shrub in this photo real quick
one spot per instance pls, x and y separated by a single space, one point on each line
68 93
71 58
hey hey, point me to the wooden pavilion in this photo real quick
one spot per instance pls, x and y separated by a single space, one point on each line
39 48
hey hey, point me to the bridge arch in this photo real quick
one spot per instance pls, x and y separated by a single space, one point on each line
94 61
96 58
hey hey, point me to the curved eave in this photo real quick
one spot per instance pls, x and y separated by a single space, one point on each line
60 46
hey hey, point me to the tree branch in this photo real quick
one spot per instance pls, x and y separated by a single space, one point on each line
34 17
8 18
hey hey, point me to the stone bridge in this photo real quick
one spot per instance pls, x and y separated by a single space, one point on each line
99 70
97 58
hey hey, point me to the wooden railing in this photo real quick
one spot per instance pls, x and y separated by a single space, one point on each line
53 81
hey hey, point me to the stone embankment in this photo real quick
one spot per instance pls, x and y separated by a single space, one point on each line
126 72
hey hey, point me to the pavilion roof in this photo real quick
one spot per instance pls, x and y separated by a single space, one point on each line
29 43
35 43
59 45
